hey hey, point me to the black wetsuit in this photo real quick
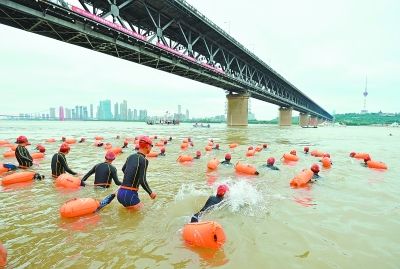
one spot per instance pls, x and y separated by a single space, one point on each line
104 173
196 157
161 154
316 176
124 146
272 167
23 157
212 200
134 169
226 162
59 165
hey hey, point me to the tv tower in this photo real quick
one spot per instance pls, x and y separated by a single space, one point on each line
365 93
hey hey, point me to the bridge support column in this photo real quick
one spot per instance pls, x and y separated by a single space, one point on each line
303 119
285 116
320 120
237 109
313 121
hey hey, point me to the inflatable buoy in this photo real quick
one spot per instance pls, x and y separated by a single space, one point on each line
37 155
98 138
258 148
185 141
3 255
326 162
2 142
78 207
68 181
152 154
208 148
361 155
70 140
376 165
51 140
9 154
98 143
302 179
185 158
290 157
160 144
116 150
3 169
13 147
184 145
207 234
18 178
246 169
6 145
108 146
317 153
213 164
210 144
233 145
250 153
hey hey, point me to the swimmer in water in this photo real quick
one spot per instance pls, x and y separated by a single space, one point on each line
227 160
24 159
59 162
270 164
211 201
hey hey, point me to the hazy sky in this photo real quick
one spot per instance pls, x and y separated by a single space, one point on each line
325 48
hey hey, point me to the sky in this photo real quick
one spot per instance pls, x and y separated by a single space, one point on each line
325 48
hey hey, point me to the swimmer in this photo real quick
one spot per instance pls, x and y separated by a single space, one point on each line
216 147
211 201
198 155
315 169
162 152
104 172
293 152
41 148
24 159
366 160
270 164
227 160
125 145
170 138
135 169
59 162
82 140
306 150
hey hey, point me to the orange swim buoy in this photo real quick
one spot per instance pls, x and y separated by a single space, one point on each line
361 155
250 153
152 154
213 164
160 144
185 140
302 179
37 155
2 142
290 157
70 140
3 255
326 162
185 158
68 181
7 145
51 140
3 169
376 165
207 234
208 148
317 153
17 178
107 146
233 145
184 145
13 147
78 207
259 148
9 154
98 138
246 169
210 143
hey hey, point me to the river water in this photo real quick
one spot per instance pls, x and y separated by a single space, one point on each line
348 219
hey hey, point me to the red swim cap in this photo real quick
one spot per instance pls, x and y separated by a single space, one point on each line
217 146
162 150
22 139
306 149
265 146
228 156
222 189
315 168
326 155
144 141
125 143
367 158
198 153
64 148
110 155
293 152
352 154
271 161
250 148
42 149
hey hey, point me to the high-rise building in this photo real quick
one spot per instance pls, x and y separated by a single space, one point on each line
187 114
124 110
116 114
73 114
91 111
179 109
85 113
105 110
142 115
68 115
135 115
61 113
52 113
130 114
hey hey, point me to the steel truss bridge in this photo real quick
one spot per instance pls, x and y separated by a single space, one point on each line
168 35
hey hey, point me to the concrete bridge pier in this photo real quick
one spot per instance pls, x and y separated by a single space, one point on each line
238 105
285 116
303 119
313 121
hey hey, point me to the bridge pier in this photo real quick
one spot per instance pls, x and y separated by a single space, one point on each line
238 105
303 119
313 121
285 116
